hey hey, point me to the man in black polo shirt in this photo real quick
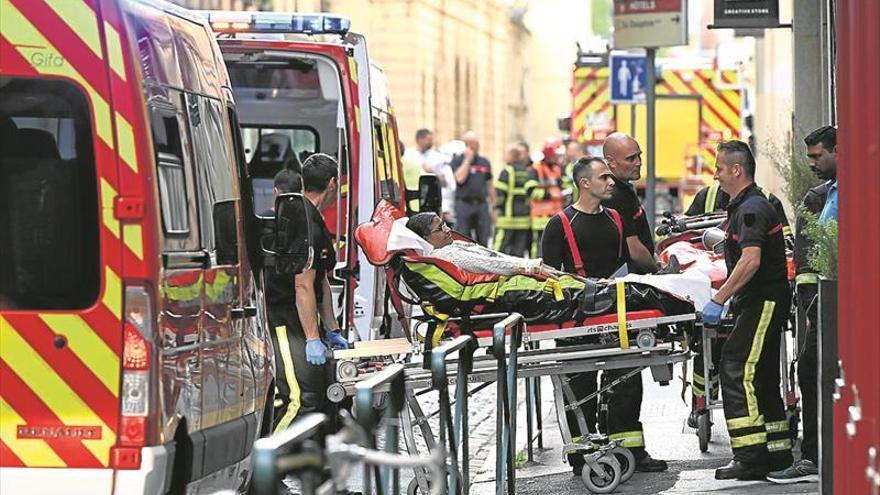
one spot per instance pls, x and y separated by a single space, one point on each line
759 294
299 305
475 192
597 248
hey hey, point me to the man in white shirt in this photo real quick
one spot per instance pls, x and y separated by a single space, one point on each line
432 161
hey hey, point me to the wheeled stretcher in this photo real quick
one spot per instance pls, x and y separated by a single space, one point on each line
625 325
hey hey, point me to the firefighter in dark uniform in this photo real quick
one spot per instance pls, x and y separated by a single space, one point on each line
298 306
822 155
513 226
624 158
475 192
759 294
596 249
711 199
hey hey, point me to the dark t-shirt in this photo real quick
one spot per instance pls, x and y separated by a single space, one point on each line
476 187
280 288
753 222
625 200
598 241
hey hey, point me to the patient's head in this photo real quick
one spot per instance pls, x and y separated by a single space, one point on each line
431 228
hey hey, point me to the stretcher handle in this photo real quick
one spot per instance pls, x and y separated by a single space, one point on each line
271 461
365 391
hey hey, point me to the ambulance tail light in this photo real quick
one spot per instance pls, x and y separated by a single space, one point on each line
137 379
227 22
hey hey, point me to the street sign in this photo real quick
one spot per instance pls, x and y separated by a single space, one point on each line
629 78
746 14
650 23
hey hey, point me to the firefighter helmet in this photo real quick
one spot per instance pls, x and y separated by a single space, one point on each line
552 148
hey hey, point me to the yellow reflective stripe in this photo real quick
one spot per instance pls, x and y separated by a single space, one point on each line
289 375
54 391
499 237
699 379
748 440
516 223
776 426
88 347
621 315
125 134
786 231
132 235
777 445
806 278
745 422
352 70
754 355
31 451
114 50
108 195
81 19
711 196
629 438
112 292
28 41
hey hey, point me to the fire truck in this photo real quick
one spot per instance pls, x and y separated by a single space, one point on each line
696 108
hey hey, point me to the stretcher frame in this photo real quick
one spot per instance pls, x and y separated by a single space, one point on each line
504 367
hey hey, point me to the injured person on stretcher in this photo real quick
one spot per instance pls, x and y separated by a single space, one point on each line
461 278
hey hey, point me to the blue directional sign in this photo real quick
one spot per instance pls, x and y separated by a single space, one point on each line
629 77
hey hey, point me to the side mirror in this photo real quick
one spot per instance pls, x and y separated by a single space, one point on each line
429 194
292 248
225 232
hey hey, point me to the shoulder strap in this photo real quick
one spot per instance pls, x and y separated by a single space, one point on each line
619 224
572 244
711 195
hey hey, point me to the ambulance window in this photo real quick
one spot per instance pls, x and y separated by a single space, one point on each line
49 221
212 158
384 164
172 180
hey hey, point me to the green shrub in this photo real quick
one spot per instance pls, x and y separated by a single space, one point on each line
791 164
822 257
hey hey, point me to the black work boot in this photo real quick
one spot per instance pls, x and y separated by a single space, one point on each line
647 464
737 470
576 461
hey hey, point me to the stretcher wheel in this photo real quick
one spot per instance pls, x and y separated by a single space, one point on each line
704 430
347 370
646 339
602 475
413 487
627 462
335 393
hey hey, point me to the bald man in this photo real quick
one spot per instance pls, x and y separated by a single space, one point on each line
624 158
475 192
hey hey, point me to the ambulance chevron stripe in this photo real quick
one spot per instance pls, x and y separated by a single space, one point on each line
34 452
7 456
32 411
57 395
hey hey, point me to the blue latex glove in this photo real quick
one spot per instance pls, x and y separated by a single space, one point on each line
315 352
712 312
337 341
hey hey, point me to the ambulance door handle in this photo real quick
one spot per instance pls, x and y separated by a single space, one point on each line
853 413
250 311
871 472
839 382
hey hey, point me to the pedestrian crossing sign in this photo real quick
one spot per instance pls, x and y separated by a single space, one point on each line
629 77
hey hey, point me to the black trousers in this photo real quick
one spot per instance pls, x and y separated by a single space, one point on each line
300 387
624 408
515 242
753 406
807 373
472 219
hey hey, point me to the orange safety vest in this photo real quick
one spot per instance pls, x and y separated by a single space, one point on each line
550 181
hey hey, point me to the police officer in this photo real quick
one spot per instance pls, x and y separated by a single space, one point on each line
596 249
475 192
711 199
624 158
300 305
822 155
513 234
758 291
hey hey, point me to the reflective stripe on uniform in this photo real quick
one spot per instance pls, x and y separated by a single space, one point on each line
778 445
287 360
754 355
776 426
629 438
745 422
748 440
806 278
711 194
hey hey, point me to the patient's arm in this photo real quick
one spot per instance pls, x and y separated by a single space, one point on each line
478 259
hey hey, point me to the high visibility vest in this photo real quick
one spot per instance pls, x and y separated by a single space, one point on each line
515 185
547 197
711 196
